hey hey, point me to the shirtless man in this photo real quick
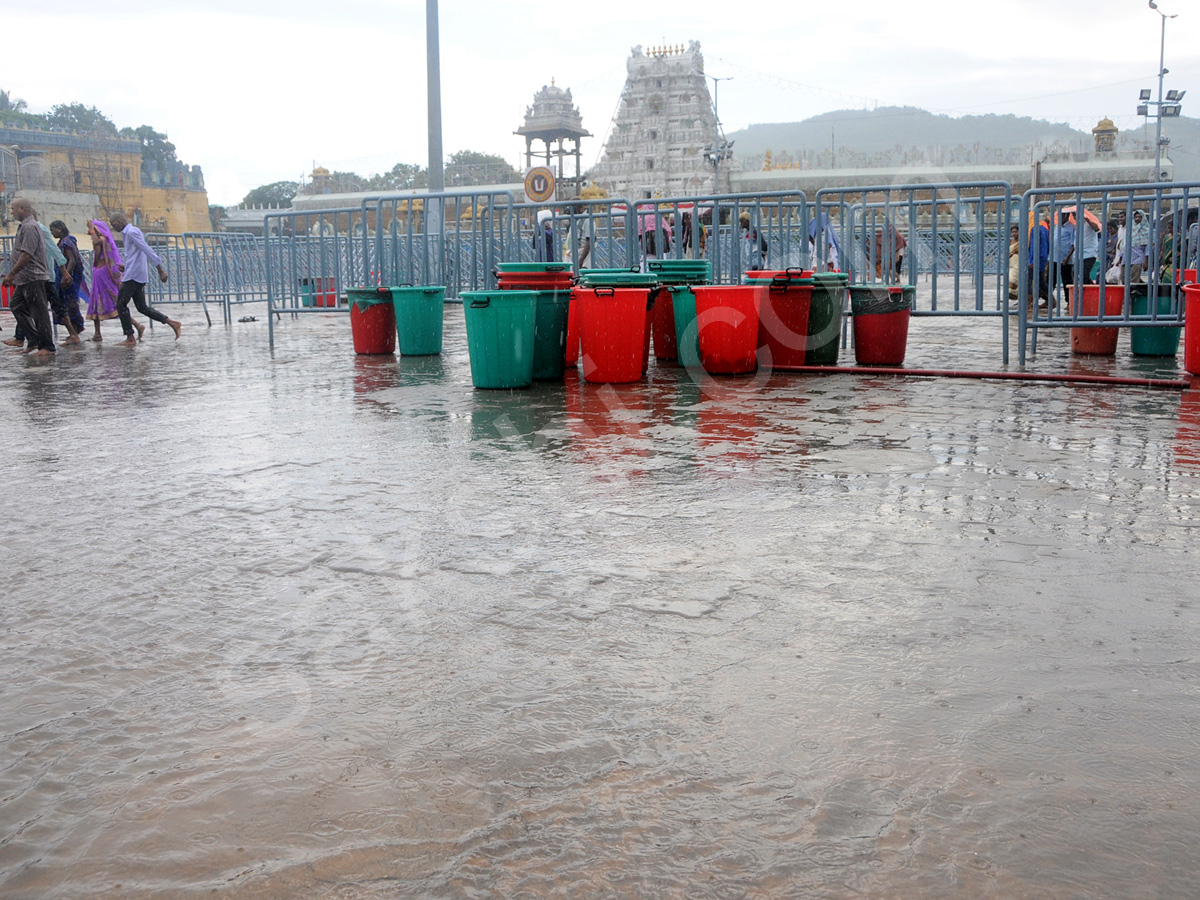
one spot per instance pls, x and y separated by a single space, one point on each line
29 274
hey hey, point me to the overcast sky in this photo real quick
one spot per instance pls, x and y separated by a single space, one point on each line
257 91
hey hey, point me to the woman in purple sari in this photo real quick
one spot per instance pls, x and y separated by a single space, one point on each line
106 277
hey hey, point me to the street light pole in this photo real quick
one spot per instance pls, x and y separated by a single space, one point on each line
1162 51
717 133
437 183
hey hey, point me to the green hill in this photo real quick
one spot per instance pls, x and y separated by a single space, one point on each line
885 135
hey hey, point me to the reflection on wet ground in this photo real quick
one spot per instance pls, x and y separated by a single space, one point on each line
308 625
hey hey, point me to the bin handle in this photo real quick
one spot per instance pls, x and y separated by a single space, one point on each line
432 290
480 304
604 292
653 295
799 270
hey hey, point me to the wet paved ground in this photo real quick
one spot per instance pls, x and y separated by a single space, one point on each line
308 625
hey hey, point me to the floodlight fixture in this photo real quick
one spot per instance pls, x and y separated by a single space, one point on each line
1143 111
1144 94
1172 96
1171 110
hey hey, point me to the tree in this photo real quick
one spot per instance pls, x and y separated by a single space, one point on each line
8 103
216 215
155 146
468 167
82 119
279 193
401 177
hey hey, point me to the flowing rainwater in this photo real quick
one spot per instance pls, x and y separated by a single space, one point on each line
300 624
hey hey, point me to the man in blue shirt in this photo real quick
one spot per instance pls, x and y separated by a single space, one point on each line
1039 257
138 256
1064 249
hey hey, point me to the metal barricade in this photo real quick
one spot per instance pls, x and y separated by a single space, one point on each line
925 235
451 239
228 267
310 258
182 286
1147 234
735 232
604 229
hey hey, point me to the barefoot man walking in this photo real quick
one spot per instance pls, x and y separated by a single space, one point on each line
29 274
138 256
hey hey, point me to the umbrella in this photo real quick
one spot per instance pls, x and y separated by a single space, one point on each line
1091 217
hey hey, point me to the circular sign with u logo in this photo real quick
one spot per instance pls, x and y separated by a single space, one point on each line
539 184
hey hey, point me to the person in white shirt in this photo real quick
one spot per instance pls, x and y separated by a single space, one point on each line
138 255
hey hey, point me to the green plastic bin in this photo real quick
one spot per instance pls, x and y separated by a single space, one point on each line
687 333
419 319
825 318
500 337
550 335
1147 340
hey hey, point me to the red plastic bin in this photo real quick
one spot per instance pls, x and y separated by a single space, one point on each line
665 347
372 321
6 292
727 318
1096 341
613 331
1191 328
573 332
881 339
783 322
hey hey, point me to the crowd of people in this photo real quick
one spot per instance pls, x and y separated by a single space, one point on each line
1110 252
47 274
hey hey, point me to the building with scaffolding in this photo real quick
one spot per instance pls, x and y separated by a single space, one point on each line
663 138
76 177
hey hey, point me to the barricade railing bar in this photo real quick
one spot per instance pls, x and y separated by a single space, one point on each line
1104 241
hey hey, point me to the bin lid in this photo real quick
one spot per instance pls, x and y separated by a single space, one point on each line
677 265
362 297
622 278
834 277
530 268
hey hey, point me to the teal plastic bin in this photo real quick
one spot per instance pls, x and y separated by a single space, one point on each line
825 318
550 335
1152 340
687 333
419 313
500 337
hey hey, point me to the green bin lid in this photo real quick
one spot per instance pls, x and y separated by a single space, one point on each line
681 265
622 278
517 268
362 297
834 277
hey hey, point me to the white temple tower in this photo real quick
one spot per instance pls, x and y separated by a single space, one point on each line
663 130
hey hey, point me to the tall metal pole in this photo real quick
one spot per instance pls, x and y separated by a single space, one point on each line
437 182
1162 50
717 134
433 61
